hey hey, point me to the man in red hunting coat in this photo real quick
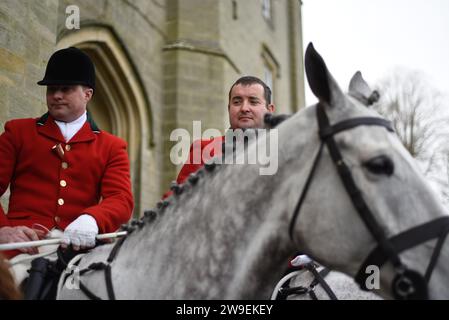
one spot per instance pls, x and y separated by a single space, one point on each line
63 171
249 101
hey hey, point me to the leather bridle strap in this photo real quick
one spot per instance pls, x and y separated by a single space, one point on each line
319 278
304 191
107 273
326 134
328 131
409 239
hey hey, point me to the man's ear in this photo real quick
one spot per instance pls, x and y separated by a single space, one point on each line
88 93
271 108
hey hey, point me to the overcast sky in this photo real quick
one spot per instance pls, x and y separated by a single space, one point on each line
374 36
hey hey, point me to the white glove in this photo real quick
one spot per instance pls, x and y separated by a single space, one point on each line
81 232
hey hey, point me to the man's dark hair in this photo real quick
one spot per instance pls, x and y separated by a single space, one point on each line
250 80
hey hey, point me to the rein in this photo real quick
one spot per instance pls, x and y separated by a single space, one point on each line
407 284
96 266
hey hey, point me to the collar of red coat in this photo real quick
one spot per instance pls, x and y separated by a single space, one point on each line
47 127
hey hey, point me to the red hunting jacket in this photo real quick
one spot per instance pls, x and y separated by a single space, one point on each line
190 166
89 175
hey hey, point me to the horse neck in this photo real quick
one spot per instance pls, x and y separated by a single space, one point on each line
216 233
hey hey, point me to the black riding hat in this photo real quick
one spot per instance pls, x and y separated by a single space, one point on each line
69 66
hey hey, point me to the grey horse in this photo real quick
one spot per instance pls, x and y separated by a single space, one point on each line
228 232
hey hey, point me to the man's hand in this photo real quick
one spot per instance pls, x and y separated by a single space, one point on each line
19 234
80 233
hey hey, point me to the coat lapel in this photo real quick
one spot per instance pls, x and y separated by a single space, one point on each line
84 134
87 131
47 127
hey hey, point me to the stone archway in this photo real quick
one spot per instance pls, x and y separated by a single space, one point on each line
120 104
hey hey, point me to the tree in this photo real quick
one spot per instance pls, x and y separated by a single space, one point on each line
420 117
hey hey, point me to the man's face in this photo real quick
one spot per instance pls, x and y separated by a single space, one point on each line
67 102
247 106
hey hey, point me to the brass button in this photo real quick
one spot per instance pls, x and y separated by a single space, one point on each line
60 202
68 147
63 183
64 165
57 219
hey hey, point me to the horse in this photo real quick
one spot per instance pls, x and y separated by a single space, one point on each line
346 193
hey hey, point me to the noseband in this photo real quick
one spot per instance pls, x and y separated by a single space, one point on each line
407 283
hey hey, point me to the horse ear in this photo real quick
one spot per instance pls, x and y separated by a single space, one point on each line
360 90
321 82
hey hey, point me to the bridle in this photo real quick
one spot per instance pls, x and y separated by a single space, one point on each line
407 283
318 279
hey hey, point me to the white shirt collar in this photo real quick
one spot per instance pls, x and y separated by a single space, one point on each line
69 129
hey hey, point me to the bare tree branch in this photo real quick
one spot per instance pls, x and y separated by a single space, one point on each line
420 116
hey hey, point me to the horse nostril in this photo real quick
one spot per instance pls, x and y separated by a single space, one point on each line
380 165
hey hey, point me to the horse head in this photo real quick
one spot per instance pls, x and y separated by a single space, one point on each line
365 208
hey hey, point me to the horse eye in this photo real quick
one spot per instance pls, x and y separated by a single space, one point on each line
380 165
